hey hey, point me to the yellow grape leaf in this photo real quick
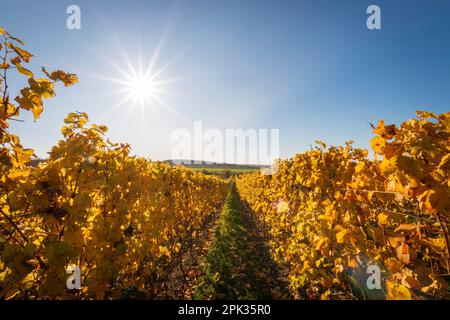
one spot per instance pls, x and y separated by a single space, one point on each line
29 279
388 166
5 273
347 217
67 79
325 295
15 60
164 251
360 167
393 265
430 200
395 240
282 206
22 70
377 144
42 86
383 218
17 173
321 243
395 183
352 263
385 131
10 111
426 114
37 110
437 244
3 124
396 291
23 155
340 236
25 55
391 150
407 227
445 162
30 100
432 287
321 144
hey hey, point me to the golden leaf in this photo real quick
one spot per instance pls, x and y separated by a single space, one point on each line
383 218
393 265
396 291
377 144
341 236
23 54
407 227
387 132
437 244
21 69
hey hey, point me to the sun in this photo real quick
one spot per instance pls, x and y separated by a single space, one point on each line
143 86
140 89
143 81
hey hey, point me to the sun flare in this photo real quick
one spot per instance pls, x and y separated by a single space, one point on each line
140 89
142 86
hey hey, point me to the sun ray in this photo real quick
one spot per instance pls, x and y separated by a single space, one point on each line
163 91
119 105
141 80
166 106
169 80
142 90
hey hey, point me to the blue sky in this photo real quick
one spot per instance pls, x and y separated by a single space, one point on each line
310 68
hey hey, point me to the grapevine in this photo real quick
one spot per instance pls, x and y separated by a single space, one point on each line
332 212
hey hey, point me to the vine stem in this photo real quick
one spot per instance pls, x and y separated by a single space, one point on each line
24 237
447 243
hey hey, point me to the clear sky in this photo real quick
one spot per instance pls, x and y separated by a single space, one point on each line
310 68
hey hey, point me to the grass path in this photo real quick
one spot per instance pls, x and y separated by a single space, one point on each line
238 265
